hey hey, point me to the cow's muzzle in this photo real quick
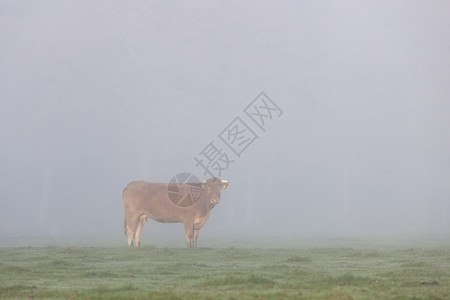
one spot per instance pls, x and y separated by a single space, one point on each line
214 201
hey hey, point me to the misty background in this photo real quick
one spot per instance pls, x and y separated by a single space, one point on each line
95 94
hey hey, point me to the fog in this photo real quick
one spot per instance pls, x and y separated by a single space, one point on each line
97 94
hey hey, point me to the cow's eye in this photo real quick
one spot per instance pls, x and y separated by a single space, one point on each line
208 189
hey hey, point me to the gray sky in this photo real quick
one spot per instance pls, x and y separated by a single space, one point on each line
95 94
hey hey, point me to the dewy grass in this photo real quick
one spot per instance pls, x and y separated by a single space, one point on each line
232 279
228 273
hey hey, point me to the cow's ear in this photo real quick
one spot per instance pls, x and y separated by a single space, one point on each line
224 184
204 184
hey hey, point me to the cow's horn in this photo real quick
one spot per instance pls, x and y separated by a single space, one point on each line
204 181
224 181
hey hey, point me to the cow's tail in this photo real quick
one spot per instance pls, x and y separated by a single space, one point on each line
125 225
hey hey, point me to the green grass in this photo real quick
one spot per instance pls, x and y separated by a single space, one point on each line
368 272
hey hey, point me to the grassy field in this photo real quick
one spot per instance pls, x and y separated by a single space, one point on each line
358 271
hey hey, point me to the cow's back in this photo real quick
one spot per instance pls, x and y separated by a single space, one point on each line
141 194
150 198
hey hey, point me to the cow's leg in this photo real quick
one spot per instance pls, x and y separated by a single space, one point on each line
137 237
197 227
189 228
131 229
130 236
195 237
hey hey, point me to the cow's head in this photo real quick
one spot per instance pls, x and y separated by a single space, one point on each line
213 186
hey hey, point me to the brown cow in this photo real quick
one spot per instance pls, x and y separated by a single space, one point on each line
142 199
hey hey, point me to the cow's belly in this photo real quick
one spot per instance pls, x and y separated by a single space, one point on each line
164 218
167 220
